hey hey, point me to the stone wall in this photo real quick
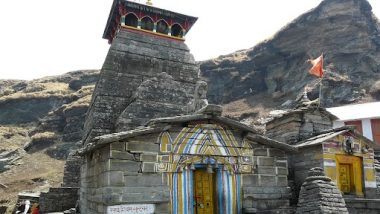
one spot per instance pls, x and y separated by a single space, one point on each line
93 181
65 197
120 174
71 175
377 168
359 206
132 59
155 97
286 129
266 189
301 162
58 199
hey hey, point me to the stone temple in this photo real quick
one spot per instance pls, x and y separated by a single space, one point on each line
148 72
152 143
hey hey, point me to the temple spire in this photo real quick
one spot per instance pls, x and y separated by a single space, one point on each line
149 2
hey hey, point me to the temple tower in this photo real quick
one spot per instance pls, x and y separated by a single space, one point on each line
148 72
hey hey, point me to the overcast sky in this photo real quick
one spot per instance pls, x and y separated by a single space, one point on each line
50 37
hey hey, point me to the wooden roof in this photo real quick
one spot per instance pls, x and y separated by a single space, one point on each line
119 7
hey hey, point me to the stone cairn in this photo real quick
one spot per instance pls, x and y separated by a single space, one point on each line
320 195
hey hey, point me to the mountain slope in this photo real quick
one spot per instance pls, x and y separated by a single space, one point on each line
40 122
274 72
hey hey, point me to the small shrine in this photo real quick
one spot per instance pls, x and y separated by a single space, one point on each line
345 155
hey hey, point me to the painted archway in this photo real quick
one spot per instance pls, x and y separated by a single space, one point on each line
200 146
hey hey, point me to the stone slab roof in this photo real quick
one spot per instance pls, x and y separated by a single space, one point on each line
319 139
103 140
270 142
188 118
210 112
328 134
280 113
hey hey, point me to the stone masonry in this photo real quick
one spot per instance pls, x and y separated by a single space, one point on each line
320 195
71 176
58 199
299 124
267 187
65 197
134 60
138 166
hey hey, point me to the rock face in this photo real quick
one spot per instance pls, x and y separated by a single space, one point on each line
10 158
320 195
345 31
142 77
53 109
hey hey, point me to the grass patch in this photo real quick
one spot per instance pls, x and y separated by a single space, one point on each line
39 90
12 137
44 136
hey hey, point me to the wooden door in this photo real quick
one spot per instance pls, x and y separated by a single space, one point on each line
345 178
350 173
204 192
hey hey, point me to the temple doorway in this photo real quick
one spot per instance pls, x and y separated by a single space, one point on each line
349 170
345 178
204 192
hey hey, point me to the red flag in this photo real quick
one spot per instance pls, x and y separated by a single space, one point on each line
317 69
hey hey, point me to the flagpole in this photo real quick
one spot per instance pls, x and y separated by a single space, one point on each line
320 91
317 70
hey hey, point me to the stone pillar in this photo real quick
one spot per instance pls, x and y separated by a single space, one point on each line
320 195
155 27
122 21
139 23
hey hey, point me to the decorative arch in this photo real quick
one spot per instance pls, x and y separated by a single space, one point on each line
147 23
131 20
208 140
165 142
177 30
201 144
162 27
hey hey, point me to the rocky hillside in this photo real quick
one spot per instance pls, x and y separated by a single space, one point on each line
51 109
274 72
40 120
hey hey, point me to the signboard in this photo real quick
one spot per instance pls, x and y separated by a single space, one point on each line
131 209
